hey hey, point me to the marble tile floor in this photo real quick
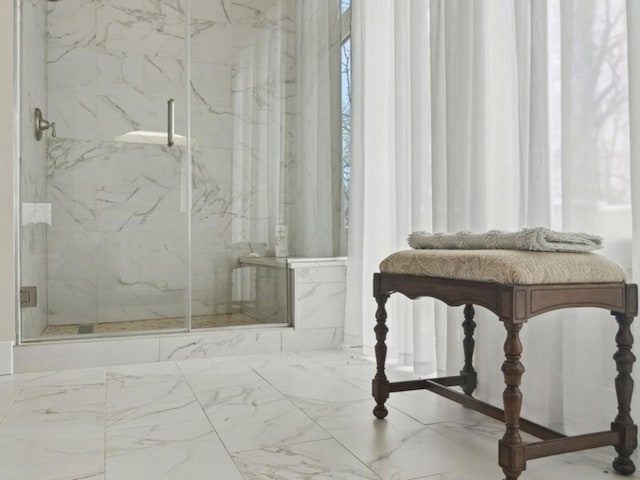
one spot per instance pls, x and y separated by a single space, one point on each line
200 321
286 416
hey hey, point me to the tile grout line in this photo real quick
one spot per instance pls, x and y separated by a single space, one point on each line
331 437
213 428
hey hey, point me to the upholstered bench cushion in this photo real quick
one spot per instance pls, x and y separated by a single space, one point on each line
511 267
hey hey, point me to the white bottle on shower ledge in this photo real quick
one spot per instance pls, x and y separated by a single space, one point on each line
281 241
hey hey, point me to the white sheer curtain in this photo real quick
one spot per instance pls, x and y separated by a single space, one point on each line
316 207
262 75
286 132
316 197
495 114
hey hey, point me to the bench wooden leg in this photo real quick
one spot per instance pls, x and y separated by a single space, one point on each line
380 383
623 422
511 453
468 374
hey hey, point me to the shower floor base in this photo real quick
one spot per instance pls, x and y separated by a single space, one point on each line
199 321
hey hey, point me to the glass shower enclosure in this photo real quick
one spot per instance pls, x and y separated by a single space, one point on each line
156 143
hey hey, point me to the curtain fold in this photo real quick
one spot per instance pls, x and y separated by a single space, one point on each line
495 114
287 167
316 201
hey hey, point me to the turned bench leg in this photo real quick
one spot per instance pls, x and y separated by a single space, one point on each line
380 383
468 374
623 422
511 454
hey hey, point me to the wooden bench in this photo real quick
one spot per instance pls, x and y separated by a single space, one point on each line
515 286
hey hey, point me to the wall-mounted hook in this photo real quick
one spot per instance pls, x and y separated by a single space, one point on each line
42 125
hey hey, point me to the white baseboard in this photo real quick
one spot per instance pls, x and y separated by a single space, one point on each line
6 358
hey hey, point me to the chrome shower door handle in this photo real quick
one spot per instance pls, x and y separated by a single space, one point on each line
170 122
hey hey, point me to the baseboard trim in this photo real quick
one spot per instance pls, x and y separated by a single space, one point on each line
6 358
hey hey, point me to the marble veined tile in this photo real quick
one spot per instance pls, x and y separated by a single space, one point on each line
54 439
424 406
70 401
262 14
398 447
318 273
257 416
481 438
143 165
75 110
72 23
320 305
285 359
312 338
78 162
141 373
213 127
71 299
88 476
428 408
361 372
215 10
568 466
186 450
64 378
157 29
328 359
339 357
306 386
149 422
9 387
211 84
142 206
145 396
68 66
480 435
138 412
67 393
320 460
118 71
220 344
214 374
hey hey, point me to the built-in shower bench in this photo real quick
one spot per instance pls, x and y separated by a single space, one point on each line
307 293
515 286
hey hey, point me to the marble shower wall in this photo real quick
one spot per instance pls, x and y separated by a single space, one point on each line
33 190
117 247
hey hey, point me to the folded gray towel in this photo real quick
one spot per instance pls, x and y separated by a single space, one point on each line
537 239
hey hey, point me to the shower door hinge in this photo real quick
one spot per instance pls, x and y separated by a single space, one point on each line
28 296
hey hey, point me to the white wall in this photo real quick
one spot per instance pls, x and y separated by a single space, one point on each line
7 287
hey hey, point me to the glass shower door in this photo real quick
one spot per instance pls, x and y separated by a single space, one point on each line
243 107
105 202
